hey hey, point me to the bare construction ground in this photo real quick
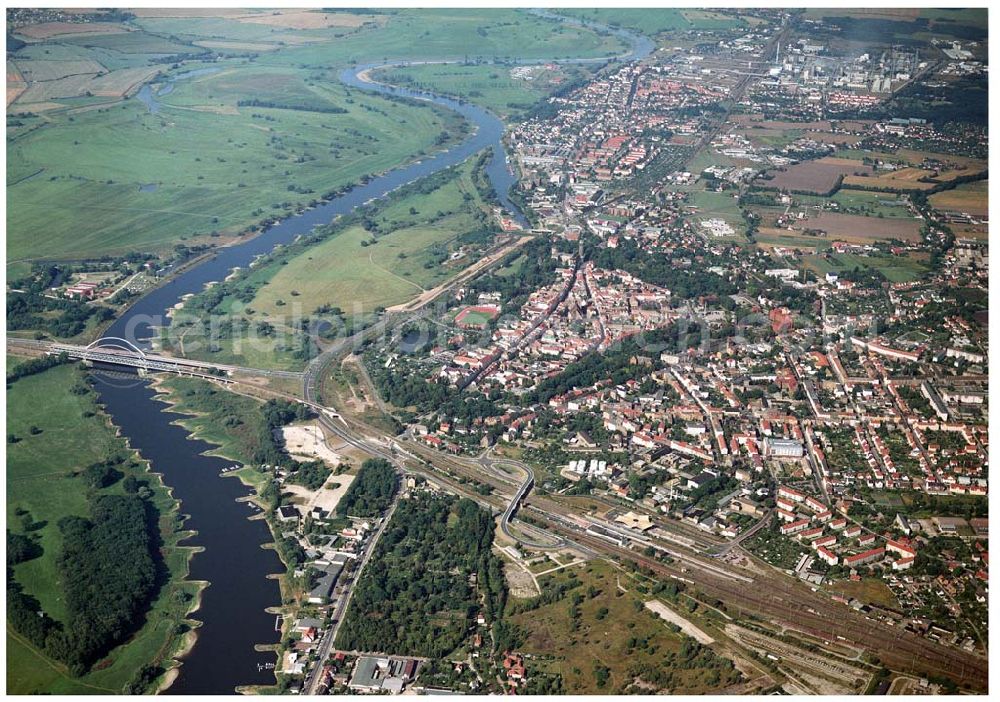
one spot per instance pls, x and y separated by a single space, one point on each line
326 498
686 626
520 582
305 442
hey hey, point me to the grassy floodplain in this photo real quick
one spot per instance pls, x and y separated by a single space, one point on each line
213 166
341 271
456 33
41 490
358 269
493 86
655 20
230 421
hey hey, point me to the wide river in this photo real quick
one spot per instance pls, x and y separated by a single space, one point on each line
233 607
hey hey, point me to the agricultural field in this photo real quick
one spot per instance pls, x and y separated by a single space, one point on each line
15 82
49 30
132 42
244 30
770 237
852 202
79 83
904 179
971 231
777 134
506 90
872 204
43 486
896 269
917 170
863 229
600 637
653 21
967 198
819 176
41 70
951 163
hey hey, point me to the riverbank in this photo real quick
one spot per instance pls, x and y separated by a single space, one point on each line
46 483
196 419
234 608
227 556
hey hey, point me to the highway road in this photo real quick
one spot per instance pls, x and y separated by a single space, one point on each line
515 502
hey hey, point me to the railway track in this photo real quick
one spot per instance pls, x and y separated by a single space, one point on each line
770 594
803 610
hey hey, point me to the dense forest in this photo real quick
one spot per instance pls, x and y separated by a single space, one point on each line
371 492
415 596
108 574
276 414
21 548
59 318
310 475
684 283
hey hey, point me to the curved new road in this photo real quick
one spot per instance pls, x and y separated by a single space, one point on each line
515 503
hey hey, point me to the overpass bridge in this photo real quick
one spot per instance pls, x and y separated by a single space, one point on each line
515 502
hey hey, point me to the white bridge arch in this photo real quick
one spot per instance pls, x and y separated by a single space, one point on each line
116 342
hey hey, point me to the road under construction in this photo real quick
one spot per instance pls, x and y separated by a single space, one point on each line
680 551
761 591
552 522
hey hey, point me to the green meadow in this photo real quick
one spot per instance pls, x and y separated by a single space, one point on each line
455 33
218 167
70 433
652 21
896 269
405 252
490 85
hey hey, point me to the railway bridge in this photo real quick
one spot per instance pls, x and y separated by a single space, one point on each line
116 351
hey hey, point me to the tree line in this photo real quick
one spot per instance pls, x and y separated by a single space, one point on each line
108 575
35 365
416 595
371 492
255 102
